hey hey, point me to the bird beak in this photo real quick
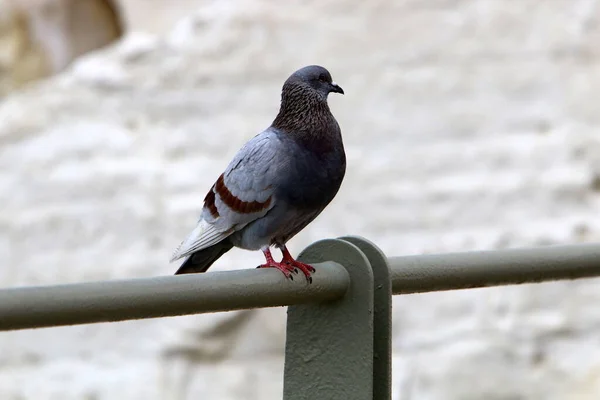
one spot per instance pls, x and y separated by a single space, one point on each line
336 89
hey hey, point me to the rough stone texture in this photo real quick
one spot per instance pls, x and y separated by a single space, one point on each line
158 16
21 59
468 125
41 37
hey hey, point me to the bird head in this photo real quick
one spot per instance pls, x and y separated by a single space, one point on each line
316 78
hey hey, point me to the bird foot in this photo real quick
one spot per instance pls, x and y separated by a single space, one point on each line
284 267
287 265
306 269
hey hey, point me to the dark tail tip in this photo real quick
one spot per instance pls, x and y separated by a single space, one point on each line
201 260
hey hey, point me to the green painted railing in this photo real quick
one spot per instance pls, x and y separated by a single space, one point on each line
338 343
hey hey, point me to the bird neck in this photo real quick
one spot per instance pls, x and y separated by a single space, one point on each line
305 115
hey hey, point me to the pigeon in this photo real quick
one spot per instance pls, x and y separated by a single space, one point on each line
277 183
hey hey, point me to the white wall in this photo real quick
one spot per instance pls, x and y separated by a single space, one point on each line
468 125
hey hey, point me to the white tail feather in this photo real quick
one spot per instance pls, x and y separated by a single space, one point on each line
204 235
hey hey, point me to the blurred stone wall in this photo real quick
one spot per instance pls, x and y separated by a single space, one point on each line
41 37
468 125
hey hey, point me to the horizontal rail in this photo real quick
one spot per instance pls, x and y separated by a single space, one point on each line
427 273
36 307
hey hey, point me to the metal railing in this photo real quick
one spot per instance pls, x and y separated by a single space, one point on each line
338 343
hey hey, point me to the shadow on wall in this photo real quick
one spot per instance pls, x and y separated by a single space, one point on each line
41 37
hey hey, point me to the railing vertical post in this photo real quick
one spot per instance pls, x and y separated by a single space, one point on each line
382 317
329 346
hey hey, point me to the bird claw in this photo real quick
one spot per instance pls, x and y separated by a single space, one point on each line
287 270
288 265
306 269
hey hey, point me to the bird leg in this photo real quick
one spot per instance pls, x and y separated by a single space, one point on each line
305 268
284 267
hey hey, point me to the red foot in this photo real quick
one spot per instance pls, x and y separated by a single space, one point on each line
283 267
287 265
305 268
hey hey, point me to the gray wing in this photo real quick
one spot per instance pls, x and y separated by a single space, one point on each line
242 194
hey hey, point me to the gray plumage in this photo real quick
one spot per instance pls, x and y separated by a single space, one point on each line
277 183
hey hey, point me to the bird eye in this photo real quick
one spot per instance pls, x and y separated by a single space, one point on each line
322 78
